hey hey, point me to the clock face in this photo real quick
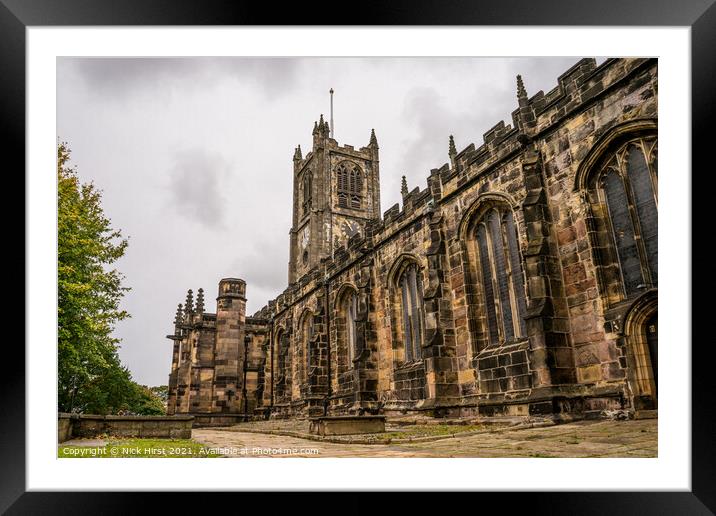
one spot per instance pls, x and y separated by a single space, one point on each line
350 228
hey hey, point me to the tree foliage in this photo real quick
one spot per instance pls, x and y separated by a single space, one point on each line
161 391
91 377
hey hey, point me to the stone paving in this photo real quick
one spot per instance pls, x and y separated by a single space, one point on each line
634 438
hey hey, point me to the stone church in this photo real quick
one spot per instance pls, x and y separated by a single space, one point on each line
520 280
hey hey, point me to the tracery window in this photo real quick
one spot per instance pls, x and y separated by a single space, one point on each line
350 185
307 189
627 185
499 274
411 316
282 353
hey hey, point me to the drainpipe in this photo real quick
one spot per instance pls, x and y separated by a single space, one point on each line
273 379
243 388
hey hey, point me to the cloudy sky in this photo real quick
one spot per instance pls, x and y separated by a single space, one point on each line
194 156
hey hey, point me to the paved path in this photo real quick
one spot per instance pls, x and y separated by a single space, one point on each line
580 439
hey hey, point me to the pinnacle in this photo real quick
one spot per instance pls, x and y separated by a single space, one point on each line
521 92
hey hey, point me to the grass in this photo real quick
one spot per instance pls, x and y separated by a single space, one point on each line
139 448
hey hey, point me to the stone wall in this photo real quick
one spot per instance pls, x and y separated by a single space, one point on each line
87 425
64 427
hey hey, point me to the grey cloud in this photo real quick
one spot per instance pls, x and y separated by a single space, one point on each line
265 261
194 186
433 121
120 78
425 110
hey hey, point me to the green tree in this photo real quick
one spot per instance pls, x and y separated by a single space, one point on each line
147 402
90 375
162 391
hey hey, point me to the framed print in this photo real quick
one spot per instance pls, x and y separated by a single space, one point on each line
418 252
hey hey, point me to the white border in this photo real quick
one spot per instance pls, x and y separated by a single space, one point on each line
670 471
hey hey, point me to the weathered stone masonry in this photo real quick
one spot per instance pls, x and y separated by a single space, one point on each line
522 280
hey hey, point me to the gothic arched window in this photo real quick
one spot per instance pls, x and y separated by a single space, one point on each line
499 276
307 189
626 186
350 185
307 337
351 314
410 311
281 373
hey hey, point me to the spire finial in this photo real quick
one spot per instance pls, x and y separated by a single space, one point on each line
297 154
315 128
452 150
404 187
178 317
332 127
189 305
200 301
521 92
373 139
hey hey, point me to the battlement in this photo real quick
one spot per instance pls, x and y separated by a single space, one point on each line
363 153
535 115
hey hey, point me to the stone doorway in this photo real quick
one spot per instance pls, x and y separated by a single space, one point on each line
641 332
651 329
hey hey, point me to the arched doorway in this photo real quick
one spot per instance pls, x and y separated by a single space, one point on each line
651 329
641 333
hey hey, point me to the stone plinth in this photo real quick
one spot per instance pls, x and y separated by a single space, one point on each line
346 425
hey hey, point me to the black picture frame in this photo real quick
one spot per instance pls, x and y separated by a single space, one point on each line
699 15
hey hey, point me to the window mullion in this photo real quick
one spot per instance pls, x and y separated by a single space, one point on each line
485 273
636 224
495 283
601 192
407 341
510 279
417 329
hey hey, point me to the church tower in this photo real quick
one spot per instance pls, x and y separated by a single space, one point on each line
336 191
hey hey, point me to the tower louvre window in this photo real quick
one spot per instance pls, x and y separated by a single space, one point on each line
307 192
349 179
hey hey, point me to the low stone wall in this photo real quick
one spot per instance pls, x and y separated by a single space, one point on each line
64 427
89 425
